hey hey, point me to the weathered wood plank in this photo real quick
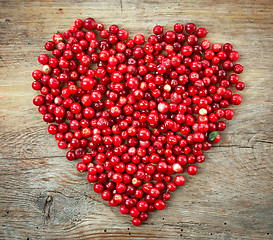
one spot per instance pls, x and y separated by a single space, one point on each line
44 197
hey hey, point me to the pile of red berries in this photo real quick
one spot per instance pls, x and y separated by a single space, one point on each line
136 115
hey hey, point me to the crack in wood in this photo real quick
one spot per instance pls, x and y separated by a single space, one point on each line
265 141
54 191
73 197
47 206
4 62
120 3
237 146
31 158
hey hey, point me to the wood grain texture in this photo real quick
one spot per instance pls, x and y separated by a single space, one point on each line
44 197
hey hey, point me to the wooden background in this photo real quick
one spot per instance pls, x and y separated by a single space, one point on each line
44 197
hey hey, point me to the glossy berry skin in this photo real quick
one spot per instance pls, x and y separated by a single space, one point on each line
144 134
192 170
159 204
229 113
98 187
139 39
43 59
136 221
240 86
89 24
190 28
142 206
236 99
38 100
81 167
179 180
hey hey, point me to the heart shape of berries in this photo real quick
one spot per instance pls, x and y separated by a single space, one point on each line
136 115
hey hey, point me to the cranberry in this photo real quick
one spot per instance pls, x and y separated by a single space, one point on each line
236 99
179 180
142 206
139 39
240 86
89 24
201 32
81 167
159 204
136 221
50 45
190 28
192 170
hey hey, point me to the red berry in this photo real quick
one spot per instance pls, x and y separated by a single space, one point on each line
158 30
179 180
139 39
236 99
136 221
81 167
201 32
142 206
190 28
89 24
43 59
159 204
192 170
